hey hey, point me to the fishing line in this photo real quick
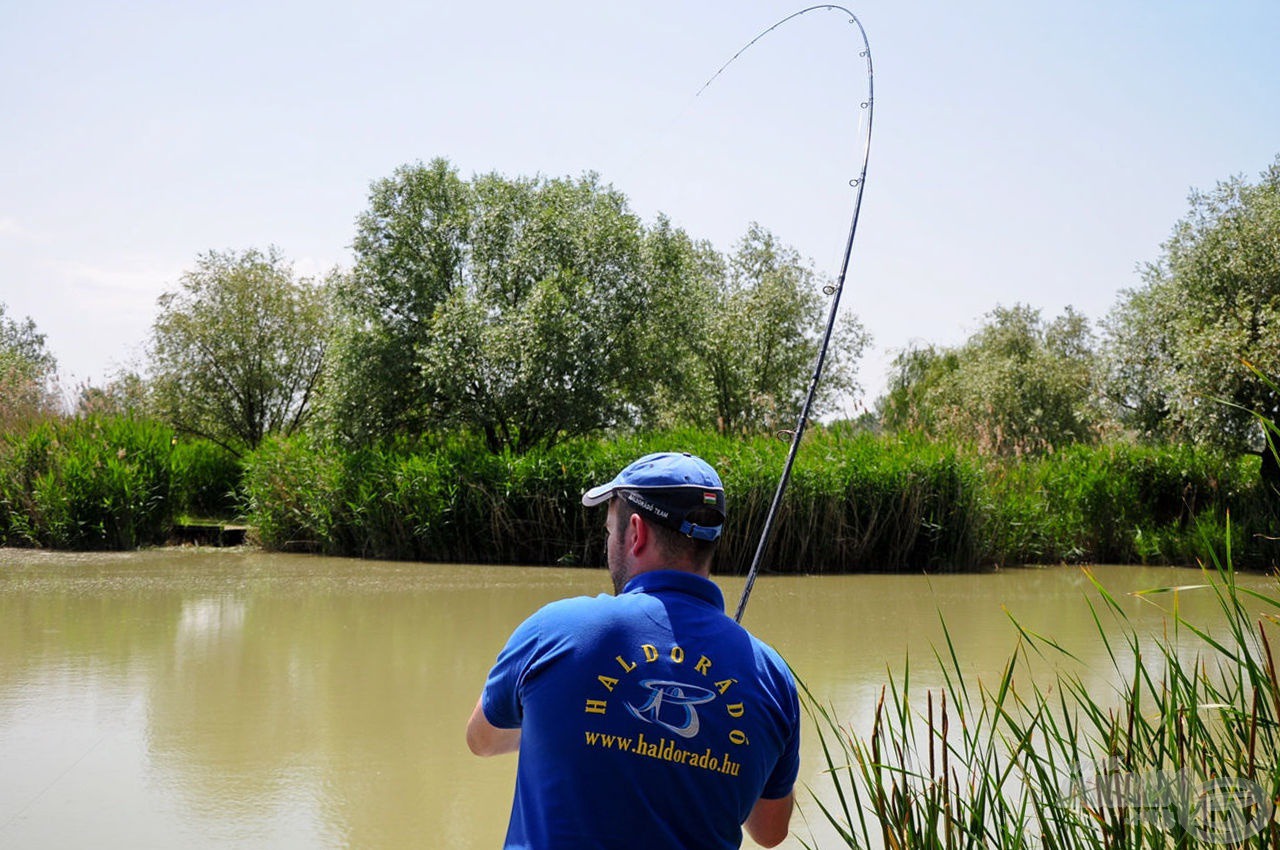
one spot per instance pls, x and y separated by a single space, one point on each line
61 776
835 290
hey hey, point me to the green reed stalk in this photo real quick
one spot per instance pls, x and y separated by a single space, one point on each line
95 483
857 501
1051 763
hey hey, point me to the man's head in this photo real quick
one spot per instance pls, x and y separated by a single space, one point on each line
666 511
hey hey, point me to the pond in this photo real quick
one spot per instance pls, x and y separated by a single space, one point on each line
211 698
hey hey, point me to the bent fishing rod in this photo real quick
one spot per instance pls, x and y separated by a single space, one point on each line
835 290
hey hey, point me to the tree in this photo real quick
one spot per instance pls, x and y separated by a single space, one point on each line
410 246
670 387
914 376
530 309
126 394
1177 345
540 342
237 350
763 326
27 371
519 308
1017 385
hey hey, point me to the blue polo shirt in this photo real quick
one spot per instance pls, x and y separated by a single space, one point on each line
650 719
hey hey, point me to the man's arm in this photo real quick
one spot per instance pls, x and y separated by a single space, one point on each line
485 739
769 819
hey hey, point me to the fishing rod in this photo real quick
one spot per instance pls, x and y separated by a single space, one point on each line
835 290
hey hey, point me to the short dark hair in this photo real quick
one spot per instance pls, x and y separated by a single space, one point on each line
672 543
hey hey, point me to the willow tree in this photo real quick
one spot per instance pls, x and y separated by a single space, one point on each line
27 371
1195 351
237 348
533 309
525 309
1019 385
761 328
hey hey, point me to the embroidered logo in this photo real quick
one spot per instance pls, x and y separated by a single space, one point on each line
671 705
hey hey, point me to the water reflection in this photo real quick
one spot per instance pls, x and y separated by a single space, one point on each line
230 699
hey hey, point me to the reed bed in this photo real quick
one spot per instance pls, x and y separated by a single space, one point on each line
104 482
1186 754
1122 504
98 483
856 502
858 505
206 480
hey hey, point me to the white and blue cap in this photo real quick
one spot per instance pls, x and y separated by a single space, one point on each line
666 487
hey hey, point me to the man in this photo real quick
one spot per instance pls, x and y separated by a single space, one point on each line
647 719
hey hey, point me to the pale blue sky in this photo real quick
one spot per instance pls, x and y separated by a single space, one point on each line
1025 151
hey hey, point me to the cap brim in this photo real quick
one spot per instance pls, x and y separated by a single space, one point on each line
598 495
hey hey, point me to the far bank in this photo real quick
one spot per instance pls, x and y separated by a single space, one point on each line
857 502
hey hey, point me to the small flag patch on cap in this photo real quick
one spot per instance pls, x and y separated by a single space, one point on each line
708 498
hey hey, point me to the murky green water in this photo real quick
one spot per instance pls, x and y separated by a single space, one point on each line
235 699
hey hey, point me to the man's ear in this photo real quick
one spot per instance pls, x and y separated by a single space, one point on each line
638 534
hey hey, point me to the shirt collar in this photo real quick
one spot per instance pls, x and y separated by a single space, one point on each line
677 581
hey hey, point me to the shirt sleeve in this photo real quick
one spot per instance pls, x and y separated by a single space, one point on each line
501 698
783 777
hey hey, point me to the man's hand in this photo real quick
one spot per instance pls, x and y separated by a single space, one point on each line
485 739
769 819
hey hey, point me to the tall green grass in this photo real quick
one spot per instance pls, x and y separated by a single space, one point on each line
861 503
207 480
86 484
107 482
1120 503
856 502
1186 755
